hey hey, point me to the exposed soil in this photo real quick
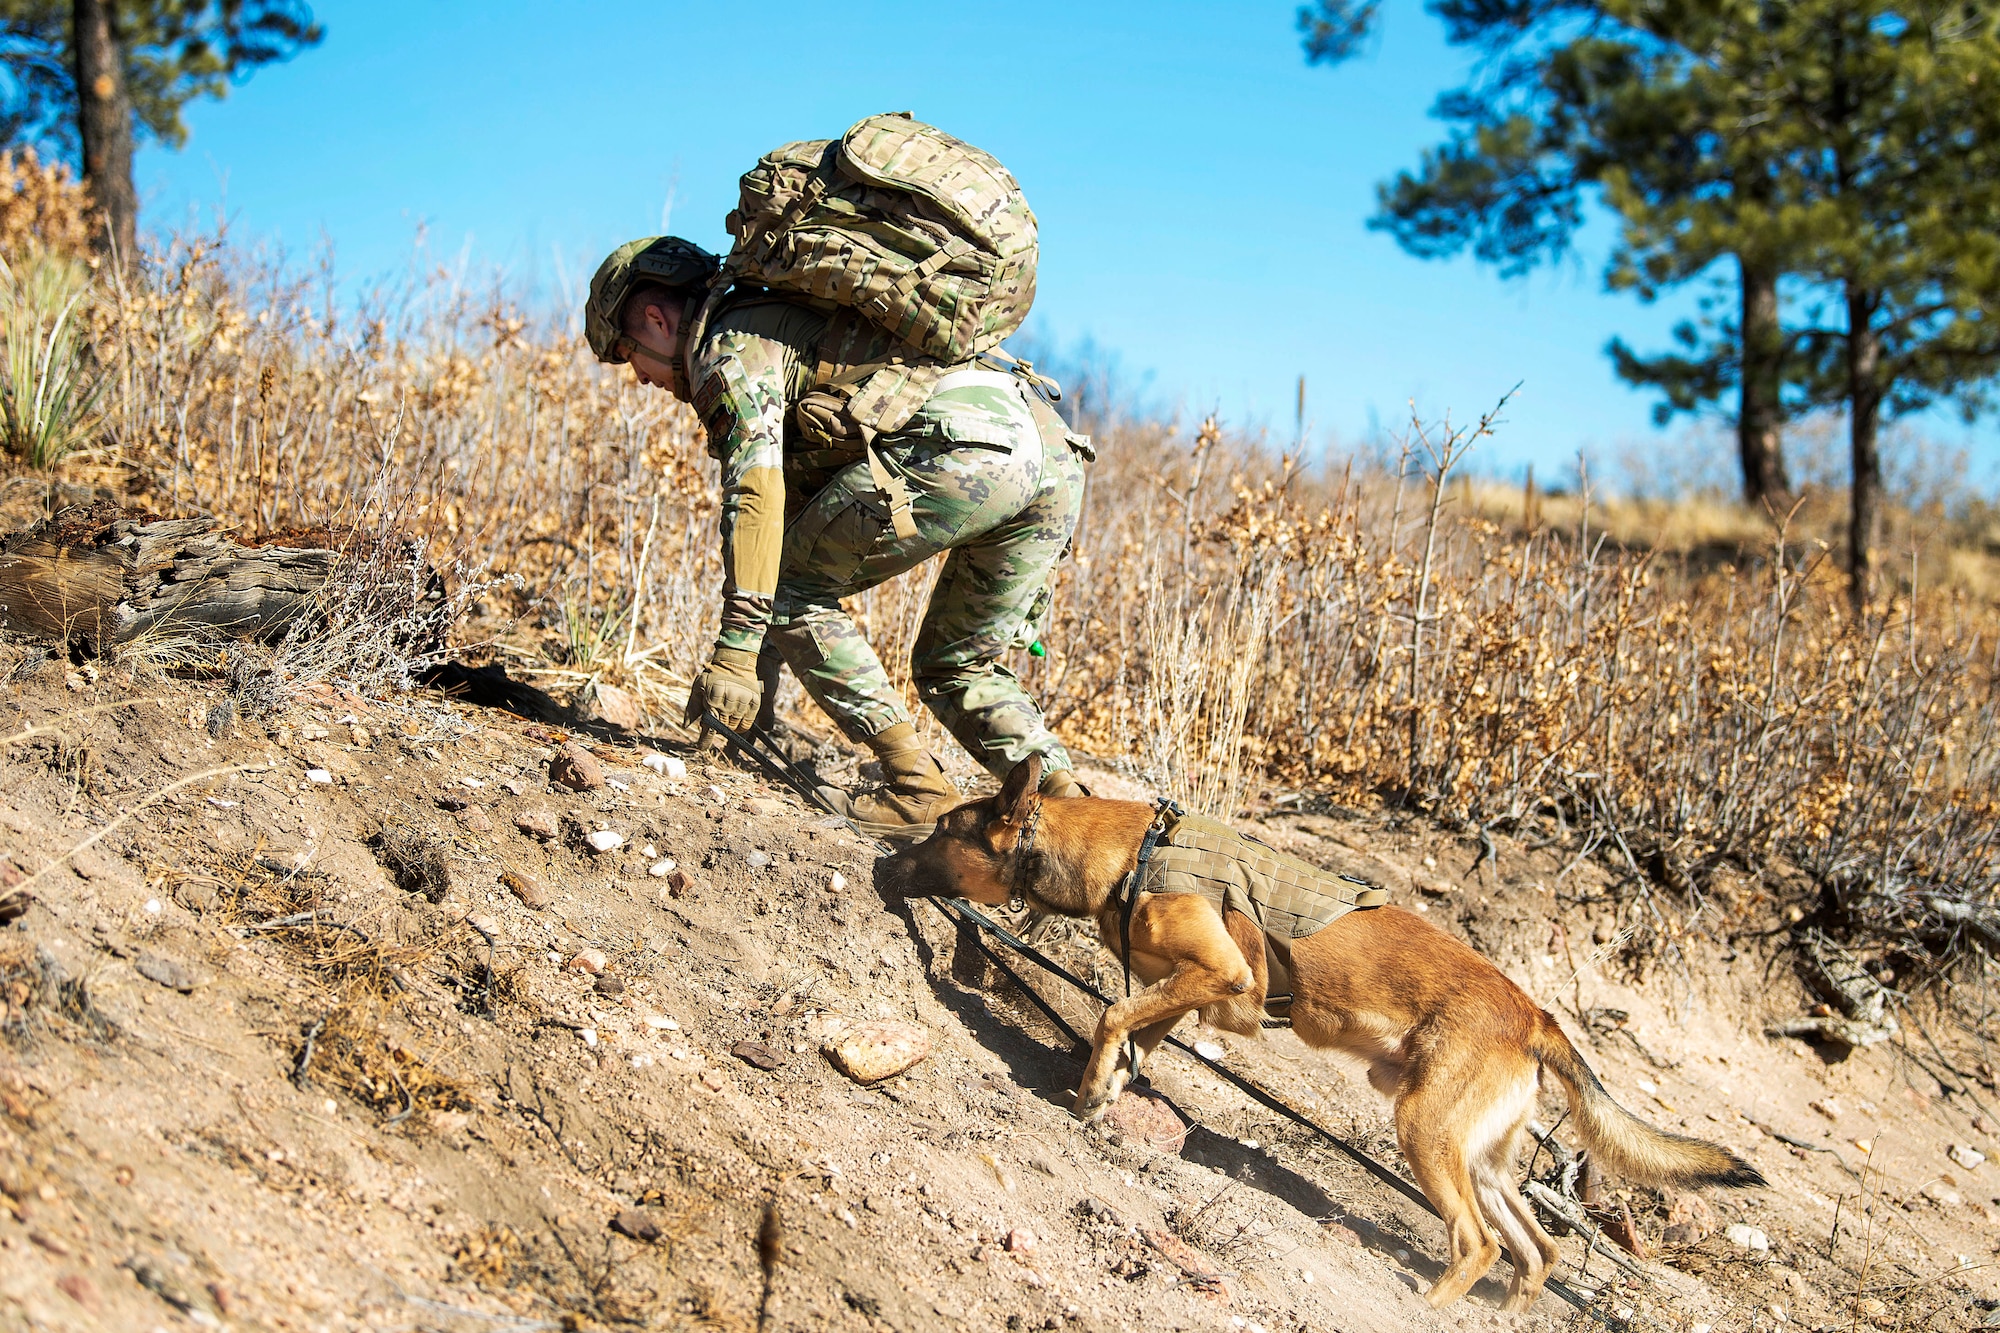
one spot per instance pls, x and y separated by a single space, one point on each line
403 1108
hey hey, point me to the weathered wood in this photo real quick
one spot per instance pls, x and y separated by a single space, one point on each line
100 576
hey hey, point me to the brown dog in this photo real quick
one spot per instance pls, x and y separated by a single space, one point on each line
1457 1046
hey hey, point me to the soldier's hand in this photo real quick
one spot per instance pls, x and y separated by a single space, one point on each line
727 687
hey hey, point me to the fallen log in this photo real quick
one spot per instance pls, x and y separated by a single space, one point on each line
99 575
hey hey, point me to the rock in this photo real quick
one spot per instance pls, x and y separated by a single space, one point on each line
1021 1241
1966 1156
755 1053
1941 1194
605 840
1209 1050
836 883
666 765
637 1226
451 803
677 883
764 807
1143 1114
525 887
475 821
1098 1210
614 707
589 1036
537 824
1689 1219
79 1288
661 1023
319 777
871 1052
1828 1107
575 768
1870 1308
757 860
167 972
592 961
717 794
661 869
609 985
1746 1237
488 927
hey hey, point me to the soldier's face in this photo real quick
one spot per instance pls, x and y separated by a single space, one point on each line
653 346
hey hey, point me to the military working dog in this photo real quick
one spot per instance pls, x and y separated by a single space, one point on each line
1458 1047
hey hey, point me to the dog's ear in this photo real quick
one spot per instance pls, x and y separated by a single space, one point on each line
1020 788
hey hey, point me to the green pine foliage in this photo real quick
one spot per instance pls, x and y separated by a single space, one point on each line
175 52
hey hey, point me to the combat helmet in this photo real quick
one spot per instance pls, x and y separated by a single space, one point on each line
668 260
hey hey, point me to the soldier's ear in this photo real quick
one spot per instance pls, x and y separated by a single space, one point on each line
1020 788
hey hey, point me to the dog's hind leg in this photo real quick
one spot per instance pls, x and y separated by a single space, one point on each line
1432 1124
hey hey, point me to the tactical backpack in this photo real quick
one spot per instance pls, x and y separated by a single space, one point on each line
925 238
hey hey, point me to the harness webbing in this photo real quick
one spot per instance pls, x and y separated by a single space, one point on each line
964 914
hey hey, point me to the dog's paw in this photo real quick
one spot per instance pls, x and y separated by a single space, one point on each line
1090 1109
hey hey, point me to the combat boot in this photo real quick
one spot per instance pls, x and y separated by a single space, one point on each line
916 793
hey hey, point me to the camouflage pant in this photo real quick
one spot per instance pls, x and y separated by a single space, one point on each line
985 489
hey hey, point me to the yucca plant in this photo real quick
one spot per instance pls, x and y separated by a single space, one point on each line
49 398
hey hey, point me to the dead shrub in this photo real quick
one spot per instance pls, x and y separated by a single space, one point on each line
352 1051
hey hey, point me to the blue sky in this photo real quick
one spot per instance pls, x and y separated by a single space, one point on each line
1202 191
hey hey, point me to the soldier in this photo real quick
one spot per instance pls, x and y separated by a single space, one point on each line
987 472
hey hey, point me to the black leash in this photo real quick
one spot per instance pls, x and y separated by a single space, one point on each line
963 913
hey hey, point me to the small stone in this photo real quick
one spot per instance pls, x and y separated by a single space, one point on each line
1941 1194
637 1226
836 883
661 1023
717 795
668 766
615 707
650 852
757 860
1099 1210
319 777
167 972
475 821
589 1036
1828 1107
1746 1237
654 760
1209 1050
871 1052
537 824
605 840
1021 1241
755 1053
764 807
661 869
592 961
82 1290
713 1081
1966 1156
452 803
1870 1308
575 768
488 927
525 887
608 984
1143 1114
677 883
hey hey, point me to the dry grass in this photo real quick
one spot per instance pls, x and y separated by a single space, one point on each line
1670 687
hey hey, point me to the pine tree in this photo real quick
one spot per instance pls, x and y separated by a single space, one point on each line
88 75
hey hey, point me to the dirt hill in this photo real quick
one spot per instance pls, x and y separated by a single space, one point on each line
336 1019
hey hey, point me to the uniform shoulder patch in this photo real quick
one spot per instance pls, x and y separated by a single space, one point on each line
712 404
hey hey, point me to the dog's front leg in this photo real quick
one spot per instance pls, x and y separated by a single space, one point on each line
1180 947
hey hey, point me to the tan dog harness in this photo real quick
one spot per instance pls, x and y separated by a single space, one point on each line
1287 897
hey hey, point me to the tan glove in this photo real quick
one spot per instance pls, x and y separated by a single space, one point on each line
727 687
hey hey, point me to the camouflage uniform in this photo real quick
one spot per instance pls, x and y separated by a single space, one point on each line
994 479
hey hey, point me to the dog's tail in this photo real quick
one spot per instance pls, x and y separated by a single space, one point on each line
1626 1145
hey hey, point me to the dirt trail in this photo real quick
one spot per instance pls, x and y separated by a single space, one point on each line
406 1110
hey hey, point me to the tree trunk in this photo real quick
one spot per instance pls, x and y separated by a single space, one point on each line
1759 412
1864 418
104 125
